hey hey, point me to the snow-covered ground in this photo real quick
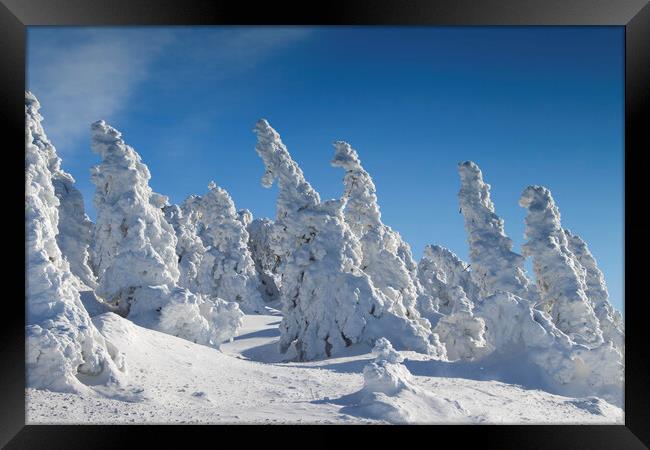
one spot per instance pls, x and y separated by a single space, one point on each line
175 381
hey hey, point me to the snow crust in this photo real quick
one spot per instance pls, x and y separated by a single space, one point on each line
62 345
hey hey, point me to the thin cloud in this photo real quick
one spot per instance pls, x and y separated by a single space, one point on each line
82 75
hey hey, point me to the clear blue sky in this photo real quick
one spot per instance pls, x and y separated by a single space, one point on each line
538 105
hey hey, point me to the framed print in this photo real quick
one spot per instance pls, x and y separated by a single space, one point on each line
383 214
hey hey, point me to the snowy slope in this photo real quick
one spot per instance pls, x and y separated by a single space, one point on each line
176 381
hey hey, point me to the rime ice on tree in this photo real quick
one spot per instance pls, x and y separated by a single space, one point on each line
386 258
135 251
611 321
495 267
562 288
329 303
438 270
267 262
63 345
227 269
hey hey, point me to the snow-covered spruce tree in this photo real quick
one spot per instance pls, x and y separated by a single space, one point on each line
386 258
328 302
267 262
461 331
439 270
134 245
189 246
560 277
135 251
519 335
75 228
64 349
245 217
495 267
611 321
227 269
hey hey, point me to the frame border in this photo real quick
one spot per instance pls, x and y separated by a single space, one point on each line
634 15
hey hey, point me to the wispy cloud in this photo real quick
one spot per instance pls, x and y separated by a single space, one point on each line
82 75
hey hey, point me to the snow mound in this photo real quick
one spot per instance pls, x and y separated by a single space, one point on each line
389 394
64 351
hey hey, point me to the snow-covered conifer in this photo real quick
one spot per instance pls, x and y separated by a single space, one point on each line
135 250
134 245
267 262
461 331
75 228
386 258
227 269
495 267
439 270
518 334
611 321
560 277
329 302
63 346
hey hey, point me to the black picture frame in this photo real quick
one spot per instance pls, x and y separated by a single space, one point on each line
634 15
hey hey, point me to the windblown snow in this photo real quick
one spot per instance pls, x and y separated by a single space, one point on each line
199 312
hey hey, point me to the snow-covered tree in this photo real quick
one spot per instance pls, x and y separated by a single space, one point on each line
439 270
189 246
64 349
610 320
461 331
75 228
560 277
267 262
519 335
134 245
135 250
329 302
386 258
495 267
227 269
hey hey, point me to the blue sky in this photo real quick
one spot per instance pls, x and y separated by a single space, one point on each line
536 105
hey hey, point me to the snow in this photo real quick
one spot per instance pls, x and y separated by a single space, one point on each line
199 313
176 381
